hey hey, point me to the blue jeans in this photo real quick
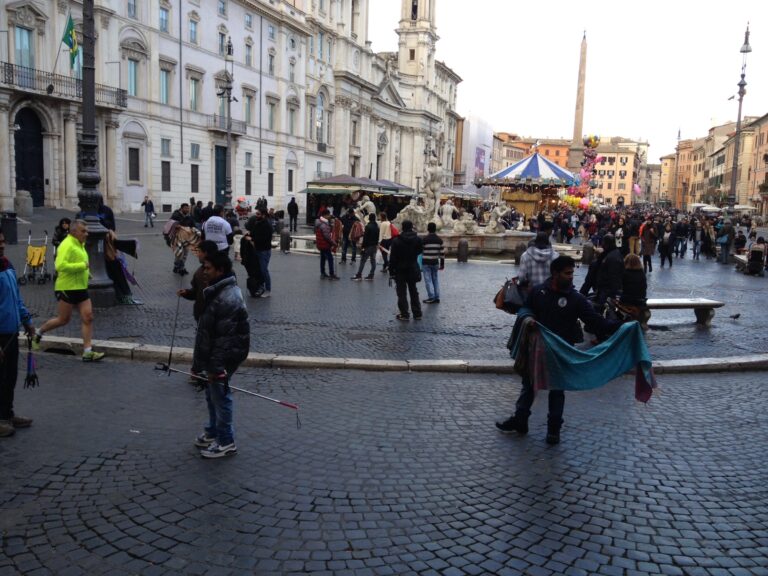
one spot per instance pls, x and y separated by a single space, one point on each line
219 398
724 253
345 244
148 220
326 255
431 281
681 245
696 249
264 256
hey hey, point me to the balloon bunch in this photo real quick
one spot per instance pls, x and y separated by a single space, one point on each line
583 181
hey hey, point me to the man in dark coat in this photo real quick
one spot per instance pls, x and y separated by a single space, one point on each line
260 230
347 221
293 214
369 248
404 268
221 345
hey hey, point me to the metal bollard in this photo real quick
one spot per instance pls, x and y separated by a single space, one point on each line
587 253
285 241
462 251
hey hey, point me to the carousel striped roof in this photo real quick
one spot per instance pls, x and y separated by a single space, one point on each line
537 170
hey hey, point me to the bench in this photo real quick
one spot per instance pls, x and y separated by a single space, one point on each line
703 308
741 262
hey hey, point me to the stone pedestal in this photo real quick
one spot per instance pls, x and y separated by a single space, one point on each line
22 203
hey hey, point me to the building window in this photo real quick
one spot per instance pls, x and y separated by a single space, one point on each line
290 180
248 158
165 176
557 152
133 77
194 94
194 151
223 107
271 184
271 64
271 31
165 86
248 20
270 162
132 9
193 32
195 177
247 182
165 147
292 72
411 54
292 121
330 45
133 165
248 103
248 55
272 110
318 168
222 7
320 42
320 120
610 185
222 43
163 20
354 133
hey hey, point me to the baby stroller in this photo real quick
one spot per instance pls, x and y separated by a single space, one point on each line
756 260
36 265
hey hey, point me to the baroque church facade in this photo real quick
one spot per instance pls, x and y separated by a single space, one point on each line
310 99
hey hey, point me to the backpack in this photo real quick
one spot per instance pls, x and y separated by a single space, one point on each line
395 231
168 231
357 232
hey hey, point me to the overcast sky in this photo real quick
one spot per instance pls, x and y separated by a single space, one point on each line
652 67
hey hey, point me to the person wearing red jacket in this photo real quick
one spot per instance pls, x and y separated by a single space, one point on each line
326 244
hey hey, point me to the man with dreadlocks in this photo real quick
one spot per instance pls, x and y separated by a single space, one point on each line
12 313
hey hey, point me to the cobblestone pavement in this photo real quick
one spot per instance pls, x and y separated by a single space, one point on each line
389 474
310 317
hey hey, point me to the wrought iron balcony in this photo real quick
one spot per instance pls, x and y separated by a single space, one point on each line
218 123
58 86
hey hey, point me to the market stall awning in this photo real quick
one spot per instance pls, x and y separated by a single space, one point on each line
534 170
345 184
463 193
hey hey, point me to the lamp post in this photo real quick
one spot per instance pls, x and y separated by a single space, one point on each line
745 49
229 71
100 287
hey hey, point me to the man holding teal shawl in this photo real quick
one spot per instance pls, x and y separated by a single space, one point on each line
557 306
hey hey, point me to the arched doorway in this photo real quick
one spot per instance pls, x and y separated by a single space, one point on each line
28 142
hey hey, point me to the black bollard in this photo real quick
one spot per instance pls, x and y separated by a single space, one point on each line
587 253
462 251
285 241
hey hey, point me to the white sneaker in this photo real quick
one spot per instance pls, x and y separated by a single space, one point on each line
204 441
217 451
266 294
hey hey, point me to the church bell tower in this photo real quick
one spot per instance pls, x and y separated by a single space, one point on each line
418 36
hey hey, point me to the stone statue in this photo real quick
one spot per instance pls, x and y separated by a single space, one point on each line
432 174
365 207
446 214
415 214
495 225
465 224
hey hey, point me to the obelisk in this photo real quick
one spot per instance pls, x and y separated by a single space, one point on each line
576 151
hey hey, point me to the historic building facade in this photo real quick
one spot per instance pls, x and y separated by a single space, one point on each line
309 98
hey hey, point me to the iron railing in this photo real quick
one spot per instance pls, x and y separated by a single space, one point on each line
58 85
218 122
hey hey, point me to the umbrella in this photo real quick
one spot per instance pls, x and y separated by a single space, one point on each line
31 381
743 207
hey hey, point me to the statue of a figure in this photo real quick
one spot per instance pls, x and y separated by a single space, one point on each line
465 224
495 224
365 207
415 214
446 214
432 173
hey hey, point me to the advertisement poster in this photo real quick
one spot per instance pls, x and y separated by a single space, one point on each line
479 162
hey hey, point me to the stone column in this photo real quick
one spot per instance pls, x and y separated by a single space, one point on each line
6 180
70 158
110 162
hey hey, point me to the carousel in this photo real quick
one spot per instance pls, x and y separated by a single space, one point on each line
530 185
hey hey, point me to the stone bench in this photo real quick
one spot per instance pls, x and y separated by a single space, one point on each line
703 308
741 262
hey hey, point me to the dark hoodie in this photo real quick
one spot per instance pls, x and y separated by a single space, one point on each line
403 259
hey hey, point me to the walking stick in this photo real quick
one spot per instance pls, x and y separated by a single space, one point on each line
166 368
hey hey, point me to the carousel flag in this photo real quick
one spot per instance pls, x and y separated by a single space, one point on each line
70 39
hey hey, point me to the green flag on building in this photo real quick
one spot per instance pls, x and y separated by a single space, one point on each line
70 39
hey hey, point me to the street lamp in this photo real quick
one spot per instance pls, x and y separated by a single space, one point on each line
229 73
745 49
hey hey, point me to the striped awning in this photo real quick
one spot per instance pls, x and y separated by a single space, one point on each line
535 169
